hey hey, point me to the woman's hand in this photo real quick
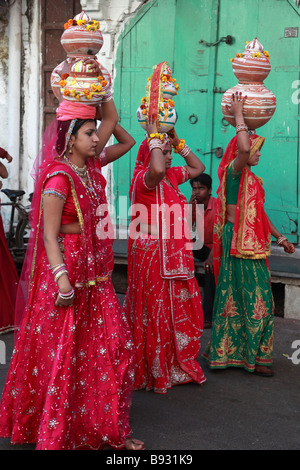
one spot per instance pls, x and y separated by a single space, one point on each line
64 286
288 246
60 302
173 137
5 154
3 171
237 104
94 65
151 126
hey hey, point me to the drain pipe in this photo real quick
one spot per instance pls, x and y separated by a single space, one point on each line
14 92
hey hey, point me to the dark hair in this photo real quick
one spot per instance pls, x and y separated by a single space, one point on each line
204 179
62 129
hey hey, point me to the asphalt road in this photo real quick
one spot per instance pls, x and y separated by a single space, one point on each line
233 410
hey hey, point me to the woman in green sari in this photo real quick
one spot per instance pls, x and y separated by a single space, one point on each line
242 333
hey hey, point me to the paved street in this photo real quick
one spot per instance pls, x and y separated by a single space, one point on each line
233 410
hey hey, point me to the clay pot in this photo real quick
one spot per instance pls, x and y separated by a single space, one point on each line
166 118
251 68
259 106
161 88
78 40
83 85
65 68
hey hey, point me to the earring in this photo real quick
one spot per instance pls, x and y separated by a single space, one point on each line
70 149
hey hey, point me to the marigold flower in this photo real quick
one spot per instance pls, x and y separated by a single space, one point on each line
62 83
144 99
64 76
66 92
166 105
103 83
144 111
86 91
232 59
176 86
99 78
258 54
171 103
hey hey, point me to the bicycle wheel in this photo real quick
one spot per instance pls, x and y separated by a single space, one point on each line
22 233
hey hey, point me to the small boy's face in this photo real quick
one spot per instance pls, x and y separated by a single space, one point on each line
200 192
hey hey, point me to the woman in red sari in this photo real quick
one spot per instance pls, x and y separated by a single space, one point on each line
163 301
8 275
70 378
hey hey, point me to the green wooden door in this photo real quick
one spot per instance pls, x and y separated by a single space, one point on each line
190 35
279 164
136 56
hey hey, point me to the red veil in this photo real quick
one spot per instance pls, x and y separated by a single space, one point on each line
251 233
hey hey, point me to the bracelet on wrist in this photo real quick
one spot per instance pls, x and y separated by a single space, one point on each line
280 240
241 127
60 273
185 151
155 143
68 295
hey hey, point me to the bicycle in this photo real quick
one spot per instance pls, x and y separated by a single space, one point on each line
17 236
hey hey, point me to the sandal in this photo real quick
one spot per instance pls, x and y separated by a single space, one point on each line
134 444
264 371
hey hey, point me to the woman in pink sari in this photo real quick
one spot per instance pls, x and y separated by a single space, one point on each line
163 302
70 378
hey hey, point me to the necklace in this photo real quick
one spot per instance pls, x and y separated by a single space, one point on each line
80 171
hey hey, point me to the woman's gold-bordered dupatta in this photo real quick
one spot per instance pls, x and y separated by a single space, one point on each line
251 234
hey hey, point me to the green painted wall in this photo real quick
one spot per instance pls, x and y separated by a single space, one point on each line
179 32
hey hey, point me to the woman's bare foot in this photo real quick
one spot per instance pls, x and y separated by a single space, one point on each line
134 444
264 371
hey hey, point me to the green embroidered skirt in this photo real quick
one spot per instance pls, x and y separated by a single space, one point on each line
243 315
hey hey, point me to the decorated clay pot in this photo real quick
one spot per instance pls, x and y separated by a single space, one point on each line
251 68
166 118
258 108
65 68
82 36
160 88
83 85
